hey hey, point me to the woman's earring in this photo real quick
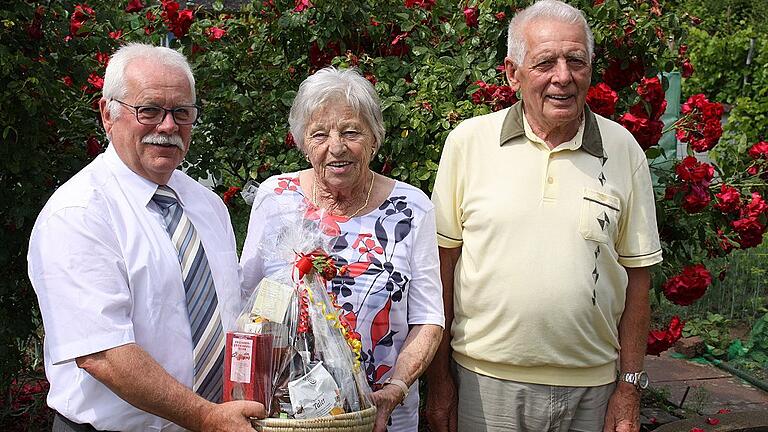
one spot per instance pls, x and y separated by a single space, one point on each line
306 157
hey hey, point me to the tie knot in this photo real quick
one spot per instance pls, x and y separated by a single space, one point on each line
165 197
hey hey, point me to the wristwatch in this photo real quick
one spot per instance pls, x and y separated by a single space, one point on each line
638 379
403 386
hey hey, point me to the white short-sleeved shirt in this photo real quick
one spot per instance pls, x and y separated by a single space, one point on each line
106 274
392 277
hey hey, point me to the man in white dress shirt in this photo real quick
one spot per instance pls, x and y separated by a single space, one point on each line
117 294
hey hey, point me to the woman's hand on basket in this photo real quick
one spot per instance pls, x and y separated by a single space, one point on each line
386 400
232 416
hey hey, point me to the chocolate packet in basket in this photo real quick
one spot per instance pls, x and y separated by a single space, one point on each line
313 352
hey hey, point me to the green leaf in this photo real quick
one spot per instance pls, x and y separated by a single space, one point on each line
287 97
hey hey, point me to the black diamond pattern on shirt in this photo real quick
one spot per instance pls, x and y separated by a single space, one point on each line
603 221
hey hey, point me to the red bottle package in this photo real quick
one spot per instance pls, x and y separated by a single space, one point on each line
248 368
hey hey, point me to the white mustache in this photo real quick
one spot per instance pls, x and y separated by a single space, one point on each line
156 138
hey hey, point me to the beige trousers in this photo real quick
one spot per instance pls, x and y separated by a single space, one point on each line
494 405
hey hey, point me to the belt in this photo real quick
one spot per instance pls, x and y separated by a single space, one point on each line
67 425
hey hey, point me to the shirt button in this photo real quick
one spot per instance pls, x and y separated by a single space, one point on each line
550 180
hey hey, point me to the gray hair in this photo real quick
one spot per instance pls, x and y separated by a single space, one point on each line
544 9
115 86
329 85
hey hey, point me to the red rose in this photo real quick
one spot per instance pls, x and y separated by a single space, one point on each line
690 170
289 141
749 232
598 2
501 16
689 286
759 150
619 76
102 58
92 146
755 207
117 34
657 342
651 91
672 190
320 58
302 5
183 23
178 22
387 167
96 80
687 69
215 33
481 94
134 6
503 96
67 80
661 340
35 28
647 132
700 123
675 329
696 199
726 245
229 194
424 4
602 99
471 15
80 15
728 199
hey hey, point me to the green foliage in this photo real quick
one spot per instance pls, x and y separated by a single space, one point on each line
427 64
720 63
714 331
720 47
755 349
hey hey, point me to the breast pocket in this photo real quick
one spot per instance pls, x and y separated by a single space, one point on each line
599 216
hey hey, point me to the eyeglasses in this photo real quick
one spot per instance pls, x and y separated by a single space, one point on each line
154 115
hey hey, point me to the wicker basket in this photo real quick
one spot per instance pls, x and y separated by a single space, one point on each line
358 421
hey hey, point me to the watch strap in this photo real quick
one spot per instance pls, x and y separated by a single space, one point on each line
632 378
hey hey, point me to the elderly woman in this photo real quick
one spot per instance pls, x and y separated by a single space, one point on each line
381 234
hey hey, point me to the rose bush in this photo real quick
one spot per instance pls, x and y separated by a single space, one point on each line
433 62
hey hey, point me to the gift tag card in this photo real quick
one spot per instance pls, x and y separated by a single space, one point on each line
272 300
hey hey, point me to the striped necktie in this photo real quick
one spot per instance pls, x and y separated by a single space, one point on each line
202 303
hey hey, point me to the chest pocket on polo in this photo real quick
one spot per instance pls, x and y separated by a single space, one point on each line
599 220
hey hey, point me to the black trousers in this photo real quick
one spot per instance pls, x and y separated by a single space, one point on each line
63 424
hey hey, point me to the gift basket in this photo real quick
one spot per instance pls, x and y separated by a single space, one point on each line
292 349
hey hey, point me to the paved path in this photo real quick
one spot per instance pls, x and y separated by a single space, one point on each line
708 388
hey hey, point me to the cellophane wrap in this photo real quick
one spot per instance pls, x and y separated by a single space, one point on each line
294 307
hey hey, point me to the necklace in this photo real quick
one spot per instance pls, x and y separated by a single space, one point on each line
365 204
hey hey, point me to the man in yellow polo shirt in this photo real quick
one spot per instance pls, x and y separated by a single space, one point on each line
546 227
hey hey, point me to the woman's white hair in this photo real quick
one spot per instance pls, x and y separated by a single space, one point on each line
115 86
544 10
330 85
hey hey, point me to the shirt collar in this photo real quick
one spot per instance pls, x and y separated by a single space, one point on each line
591 141
137 186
